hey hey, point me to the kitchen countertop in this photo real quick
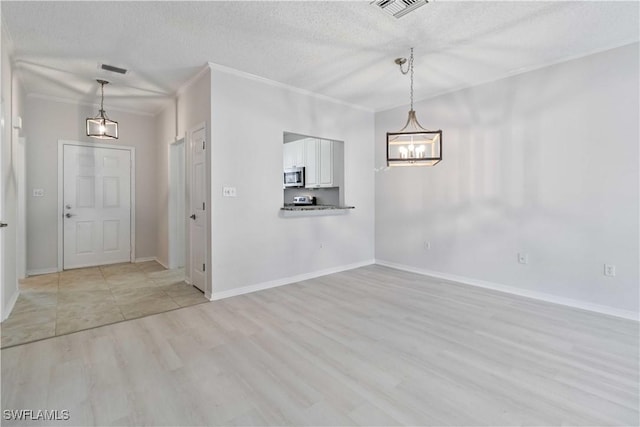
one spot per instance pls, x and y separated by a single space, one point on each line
292 207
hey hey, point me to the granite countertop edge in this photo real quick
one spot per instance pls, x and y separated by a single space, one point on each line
314 207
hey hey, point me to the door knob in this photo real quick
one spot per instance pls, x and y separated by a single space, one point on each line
68 215
193 216
3 224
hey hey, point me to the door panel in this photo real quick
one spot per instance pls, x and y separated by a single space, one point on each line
111 192
197 234
85 240
85 192
110 233
96 205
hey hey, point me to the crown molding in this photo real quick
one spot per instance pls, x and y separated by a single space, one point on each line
86 104
249 76
186 85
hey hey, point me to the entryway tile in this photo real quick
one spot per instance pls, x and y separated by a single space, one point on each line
73 300
83 285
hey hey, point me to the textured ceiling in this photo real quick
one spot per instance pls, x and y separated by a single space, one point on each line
343 50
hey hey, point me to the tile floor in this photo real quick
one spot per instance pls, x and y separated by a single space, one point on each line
73 300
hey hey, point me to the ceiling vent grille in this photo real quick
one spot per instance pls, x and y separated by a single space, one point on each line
399 8
113 69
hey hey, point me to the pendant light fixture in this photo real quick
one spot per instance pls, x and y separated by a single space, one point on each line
413 145
101 126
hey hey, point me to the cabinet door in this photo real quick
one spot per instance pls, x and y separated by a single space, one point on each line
311 163
298 153
288 156
325 165
293 154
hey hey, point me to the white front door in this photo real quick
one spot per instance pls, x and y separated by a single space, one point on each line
197 229
96 206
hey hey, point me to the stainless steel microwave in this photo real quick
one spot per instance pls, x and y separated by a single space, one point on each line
294 177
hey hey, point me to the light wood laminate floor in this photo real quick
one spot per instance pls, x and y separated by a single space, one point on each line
74 300
371 346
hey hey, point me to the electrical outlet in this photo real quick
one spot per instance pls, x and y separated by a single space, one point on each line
229 191
609 270
427 245
523 258
38 192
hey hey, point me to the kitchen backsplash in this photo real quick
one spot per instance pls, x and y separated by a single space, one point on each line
324 196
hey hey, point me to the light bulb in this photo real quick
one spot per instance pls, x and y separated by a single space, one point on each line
102 129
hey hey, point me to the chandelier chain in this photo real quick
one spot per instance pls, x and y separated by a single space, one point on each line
102 97
411 68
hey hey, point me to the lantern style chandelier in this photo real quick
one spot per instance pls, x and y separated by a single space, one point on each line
413 145
101 126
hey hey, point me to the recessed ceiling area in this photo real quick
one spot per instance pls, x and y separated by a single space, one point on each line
344 50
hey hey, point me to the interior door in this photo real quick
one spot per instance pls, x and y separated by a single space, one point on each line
96 206
197 229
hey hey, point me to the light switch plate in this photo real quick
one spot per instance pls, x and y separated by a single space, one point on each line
229 191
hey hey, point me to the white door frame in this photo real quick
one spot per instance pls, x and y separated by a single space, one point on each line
21 218
61 144
5 308
178 144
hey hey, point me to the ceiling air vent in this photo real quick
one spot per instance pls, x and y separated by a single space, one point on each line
113 69
399 8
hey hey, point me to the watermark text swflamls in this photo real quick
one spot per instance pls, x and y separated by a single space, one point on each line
36 415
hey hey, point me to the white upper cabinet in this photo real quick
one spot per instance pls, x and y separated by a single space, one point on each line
294 154
325 167
311 163
319 163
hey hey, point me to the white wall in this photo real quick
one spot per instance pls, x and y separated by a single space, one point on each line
544 163
165 135
252 243
46 122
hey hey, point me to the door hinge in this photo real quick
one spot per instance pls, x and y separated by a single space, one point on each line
202 205
204 267
203 144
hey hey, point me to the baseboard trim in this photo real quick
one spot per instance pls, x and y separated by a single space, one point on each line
6 311
162 263
541 296
287 280
39 271
146 259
